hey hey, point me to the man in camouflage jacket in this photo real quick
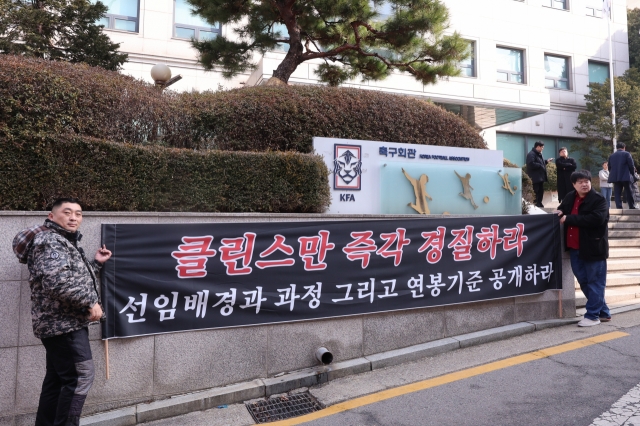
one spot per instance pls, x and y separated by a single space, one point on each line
64 301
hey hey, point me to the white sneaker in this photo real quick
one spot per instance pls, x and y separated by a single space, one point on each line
586 322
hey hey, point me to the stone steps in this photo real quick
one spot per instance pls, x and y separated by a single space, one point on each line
623 265
623 242
612 295
624 253
623 278
625 225
625 234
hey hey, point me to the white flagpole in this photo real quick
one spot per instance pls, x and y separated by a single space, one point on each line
607 9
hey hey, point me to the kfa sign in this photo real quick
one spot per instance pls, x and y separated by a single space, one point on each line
369 177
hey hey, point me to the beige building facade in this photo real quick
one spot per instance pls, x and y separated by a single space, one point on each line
531 65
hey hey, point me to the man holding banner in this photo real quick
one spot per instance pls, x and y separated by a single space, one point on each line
585 216
65 300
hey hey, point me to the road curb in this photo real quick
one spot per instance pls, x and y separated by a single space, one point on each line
259 388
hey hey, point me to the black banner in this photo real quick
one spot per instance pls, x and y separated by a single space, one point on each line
176 277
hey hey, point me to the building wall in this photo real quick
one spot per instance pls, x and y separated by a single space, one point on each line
153 367
521 24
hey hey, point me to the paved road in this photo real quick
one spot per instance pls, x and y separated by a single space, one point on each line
582 385
572 388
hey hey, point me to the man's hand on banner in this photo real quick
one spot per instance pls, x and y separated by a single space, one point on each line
102 255
95 312
559 213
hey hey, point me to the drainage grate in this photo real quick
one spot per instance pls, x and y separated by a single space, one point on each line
283 407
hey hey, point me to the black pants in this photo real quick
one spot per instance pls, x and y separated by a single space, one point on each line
628 193
538 189
68 379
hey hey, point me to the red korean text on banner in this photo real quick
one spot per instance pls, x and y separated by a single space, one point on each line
361 248
397 238
317 245
488 240
192 256
278 245
462 243
514 239
435 241
240 249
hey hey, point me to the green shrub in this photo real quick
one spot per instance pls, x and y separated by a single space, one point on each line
115 177
527 187
40 96
55 97
552 177
287 118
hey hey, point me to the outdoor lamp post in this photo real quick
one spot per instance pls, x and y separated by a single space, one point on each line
161 75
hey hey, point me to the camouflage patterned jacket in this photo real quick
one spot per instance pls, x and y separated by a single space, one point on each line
63 282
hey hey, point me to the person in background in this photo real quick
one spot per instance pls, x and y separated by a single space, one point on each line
565 165
634 186
621 175
537 170
605 186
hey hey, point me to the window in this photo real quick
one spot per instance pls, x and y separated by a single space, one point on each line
598 72
594 8
510 65
556 4
189 26
122 15
468 66
556 72
283 32
512 147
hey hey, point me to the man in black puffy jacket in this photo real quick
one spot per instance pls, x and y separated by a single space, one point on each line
537 170
585 216
64 300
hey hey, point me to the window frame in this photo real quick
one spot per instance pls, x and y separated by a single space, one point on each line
565 2
555 80
473 68
510 72
216 30
112 20
595 13
590 61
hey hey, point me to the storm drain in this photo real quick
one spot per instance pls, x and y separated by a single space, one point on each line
283 407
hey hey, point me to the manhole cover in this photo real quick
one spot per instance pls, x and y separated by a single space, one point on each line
283 407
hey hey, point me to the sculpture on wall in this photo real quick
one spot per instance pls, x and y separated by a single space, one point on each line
466 188
420 191
507 184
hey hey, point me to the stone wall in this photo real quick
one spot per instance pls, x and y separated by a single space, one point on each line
153 367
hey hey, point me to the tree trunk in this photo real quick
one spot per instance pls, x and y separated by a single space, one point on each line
289 63
294 55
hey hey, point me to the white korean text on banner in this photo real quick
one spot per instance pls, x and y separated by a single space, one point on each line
177 277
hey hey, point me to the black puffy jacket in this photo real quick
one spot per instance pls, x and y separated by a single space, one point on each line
536 167
592 221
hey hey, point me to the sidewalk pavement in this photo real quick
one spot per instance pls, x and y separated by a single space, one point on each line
344 380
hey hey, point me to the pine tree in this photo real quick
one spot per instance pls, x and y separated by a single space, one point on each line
352 37
633 26
58 30
595 123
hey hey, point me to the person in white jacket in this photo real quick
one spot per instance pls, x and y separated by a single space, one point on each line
605 187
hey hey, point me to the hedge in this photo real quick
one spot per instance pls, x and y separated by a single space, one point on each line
40 96
287 118
55 97
118 177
